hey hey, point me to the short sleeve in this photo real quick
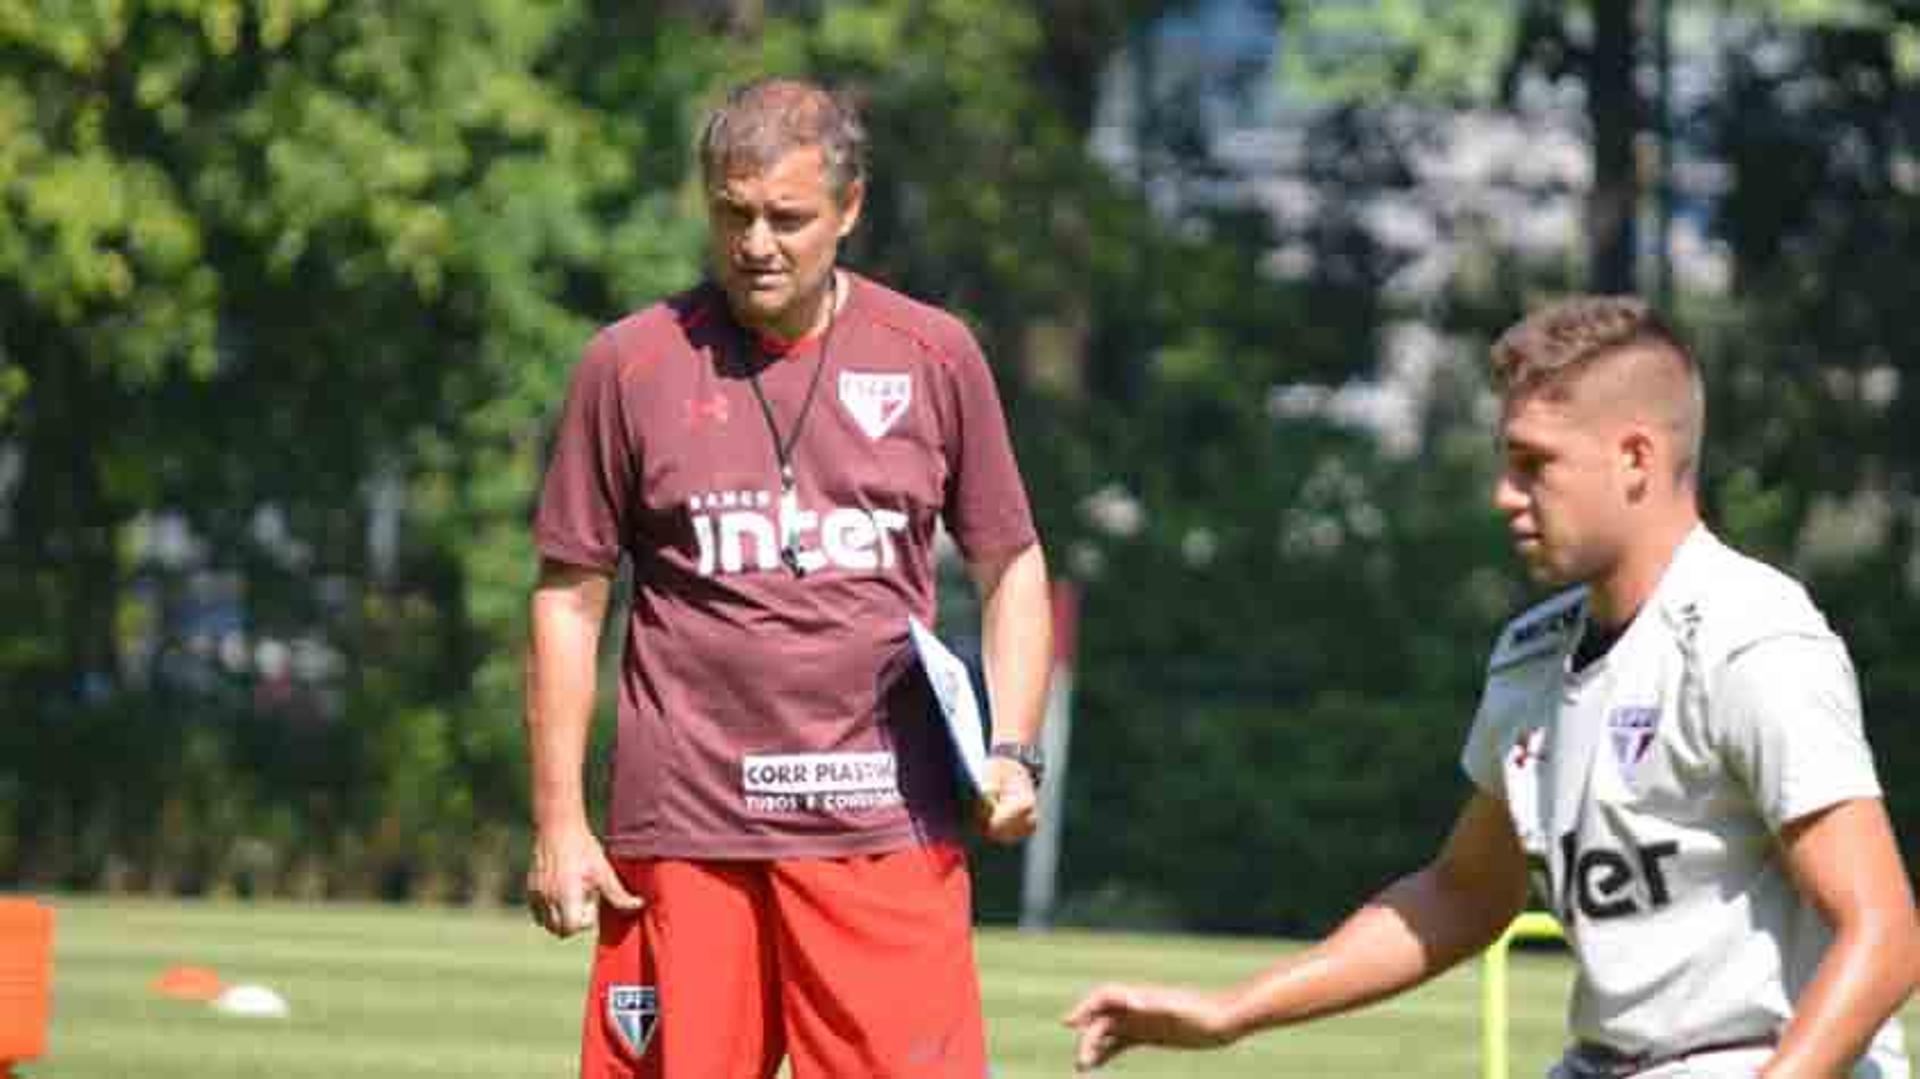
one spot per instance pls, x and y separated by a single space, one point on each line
1481 757
1786 714
986 507
583 508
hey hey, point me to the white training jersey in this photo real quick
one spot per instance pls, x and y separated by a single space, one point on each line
1648 787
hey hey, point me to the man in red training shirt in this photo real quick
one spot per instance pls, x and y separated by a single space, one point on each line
781 874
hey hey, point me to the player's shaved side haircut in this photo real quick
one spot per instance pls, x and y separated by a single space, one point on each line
1627 346
764 120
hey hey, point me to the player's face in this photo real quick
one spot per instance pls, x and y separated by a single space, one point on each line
775 234
1560 489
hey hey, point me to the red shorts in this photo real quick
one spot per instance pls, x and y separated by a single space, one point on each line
859 966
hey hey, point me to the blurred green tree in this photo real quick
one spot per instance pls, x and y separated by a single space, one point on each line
291 257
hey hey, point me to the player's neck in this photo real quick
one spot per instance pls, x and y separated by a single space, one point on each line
1614 599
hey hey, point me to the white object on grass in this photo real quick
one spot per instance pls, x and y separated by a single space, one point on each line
252 1002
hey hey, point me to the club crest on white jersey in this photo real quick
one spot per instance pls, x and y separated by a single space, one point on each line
1630 730
634 1011
876 402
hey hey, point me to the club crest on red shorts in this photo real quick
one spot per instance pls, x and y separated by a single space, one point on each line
635 1012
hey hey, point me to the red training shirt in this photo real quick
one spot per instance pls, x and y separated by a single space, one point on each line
762 713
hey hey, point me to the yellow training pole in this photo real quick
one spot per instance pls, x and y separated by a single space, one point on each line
1532 925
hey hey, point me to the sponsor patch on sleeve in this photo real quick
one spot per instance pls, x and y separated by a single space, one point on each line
1541 630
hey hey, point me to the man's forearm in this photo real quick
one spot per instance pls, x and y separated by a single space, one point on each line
1016 631
557 726
560 679
1413 930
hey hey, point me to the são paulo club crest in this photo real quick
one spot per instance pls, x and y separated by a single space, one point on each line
635 1012
1631 730
876 402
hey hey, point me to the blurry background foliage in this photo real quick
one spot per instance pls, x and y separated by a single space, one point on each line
290 289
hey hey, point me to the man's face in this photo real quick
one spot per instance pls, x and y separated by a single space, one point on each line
1562 489
775 234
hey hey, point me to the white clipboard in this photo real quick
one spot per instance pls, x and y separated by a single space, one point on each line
959 709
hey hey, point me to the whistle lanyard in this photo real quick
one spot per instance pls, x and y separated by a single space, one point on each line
783 447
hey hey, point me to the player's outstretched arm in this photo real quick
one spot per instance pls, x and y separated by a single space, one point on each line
1416 928
569 871
1844 860
1016 639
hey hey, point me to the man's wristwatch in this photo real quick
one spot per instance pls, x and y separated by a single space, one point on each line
1029 756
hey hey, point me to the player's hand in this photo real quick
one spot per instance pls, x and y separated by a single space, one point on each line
569 878
1009 807
1115 1018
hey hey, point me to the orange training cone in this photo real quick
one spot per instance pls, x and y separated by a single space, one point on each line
188 983
26 976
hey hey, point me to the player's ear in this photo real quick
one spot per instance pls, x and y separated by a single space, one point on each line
1639 456
851 201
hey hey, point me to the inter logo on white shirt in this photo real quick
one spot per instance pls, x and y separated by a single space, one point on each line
876 402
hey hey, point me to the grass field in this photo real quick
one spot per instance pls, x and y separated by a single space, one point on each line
392 993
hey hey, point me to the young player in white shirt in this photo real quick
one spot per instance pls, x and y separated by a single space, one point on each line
1673 747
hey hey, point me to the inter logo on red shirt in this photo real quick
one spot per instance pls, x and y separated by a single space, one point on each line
740 531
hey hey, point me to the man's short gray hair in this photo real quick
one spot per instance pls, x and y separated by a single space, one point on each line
766 119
